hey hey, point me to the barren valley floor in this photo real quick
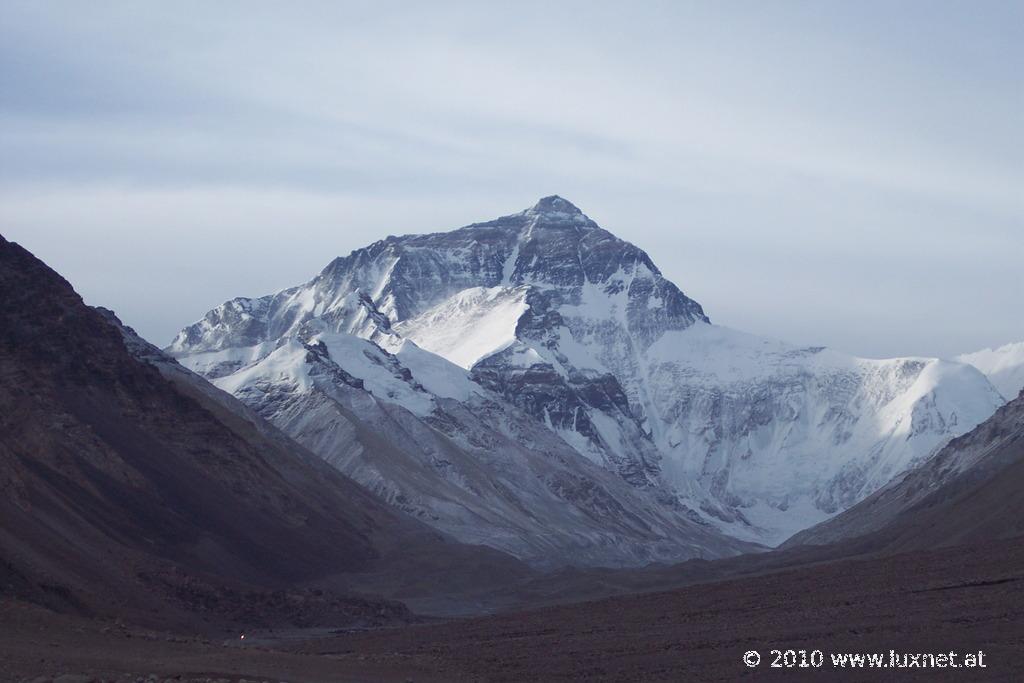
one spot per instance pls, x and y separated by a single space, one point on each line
960 599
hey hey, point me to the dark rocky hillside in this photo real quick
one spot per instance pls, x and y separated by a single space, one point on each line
129 492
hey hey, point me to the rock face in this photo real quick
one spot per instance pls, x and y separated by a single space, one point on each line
574 336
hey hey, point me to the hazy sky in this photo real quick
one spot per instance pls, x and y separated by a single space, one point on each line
840 173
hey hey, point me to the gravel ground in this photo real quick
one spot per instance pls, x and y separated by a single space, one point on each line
963 599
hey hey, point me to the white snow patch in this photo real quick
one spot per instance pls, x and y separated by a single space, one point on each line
437 375
206 363
380 375
470 325
509 267
596 304
285 366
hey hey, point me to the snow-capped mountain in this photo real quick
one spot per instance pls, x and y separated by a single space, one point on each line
556 336
323 363
1004 367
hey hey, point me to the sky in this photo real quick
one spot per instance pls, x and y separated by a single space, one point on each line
848 174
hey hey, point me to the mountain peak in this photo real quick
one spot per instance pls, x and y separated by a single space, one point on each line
555 206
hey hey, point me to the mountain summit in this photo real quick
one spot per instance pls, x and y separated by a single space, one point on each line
555 207
567 326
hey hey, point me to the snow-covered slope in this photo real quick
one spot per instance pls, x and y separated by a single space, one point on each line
966 493
788 436
469 326
578 332
1003 366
